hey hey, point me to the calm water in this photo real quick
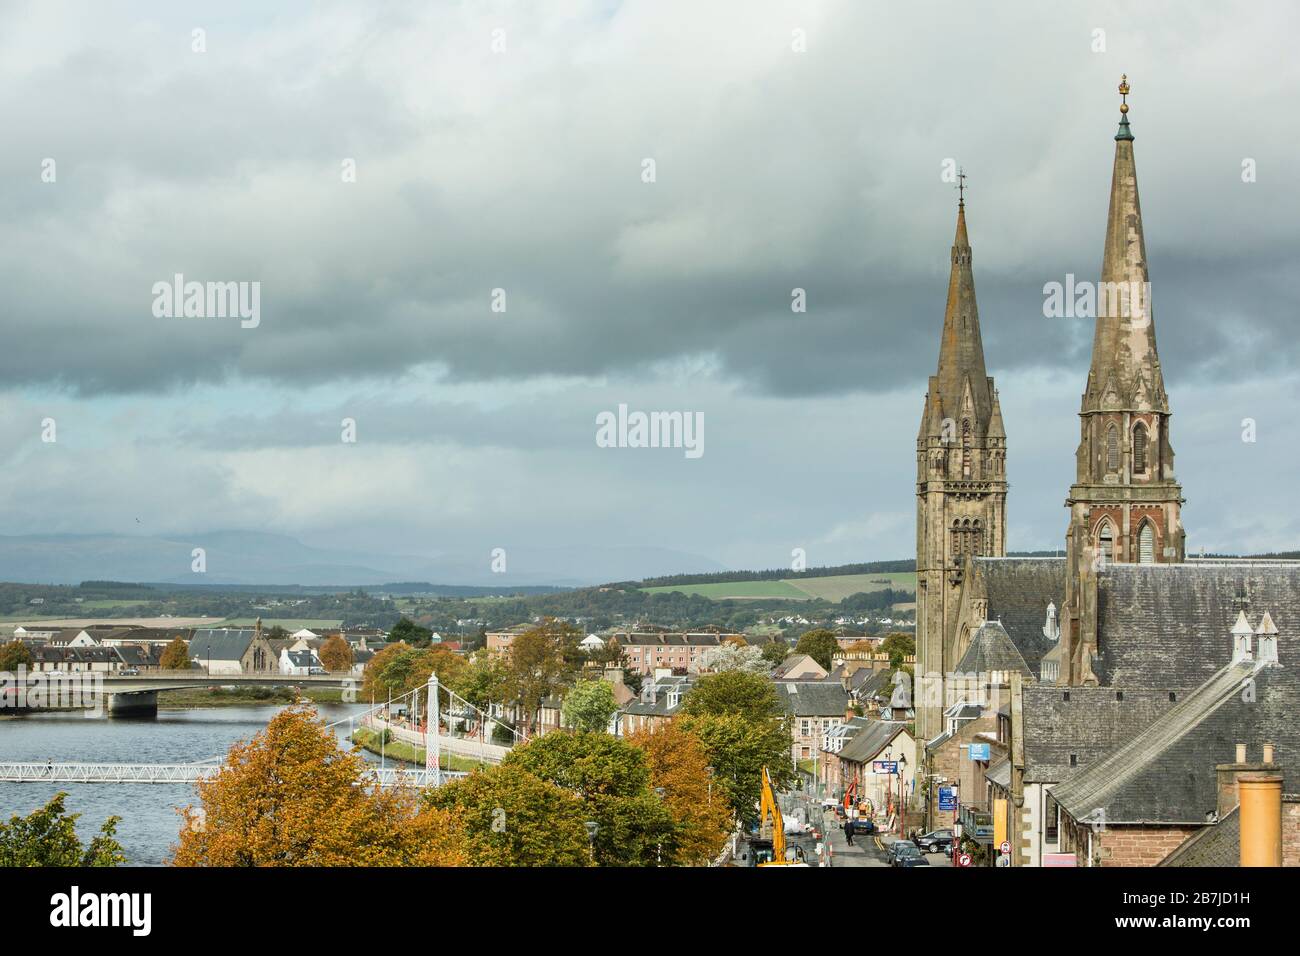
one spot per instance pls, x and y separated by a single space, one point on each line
150 821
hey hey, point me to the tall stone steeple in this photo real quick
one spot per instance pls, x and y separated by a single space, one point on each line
1125 502
961 484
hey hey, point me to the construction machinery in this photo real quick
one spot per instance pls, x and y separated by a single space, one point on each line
768 847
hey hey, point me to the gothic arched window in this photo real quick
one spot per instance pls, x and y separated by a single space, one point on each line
1105 542
1146 544
1139 447
977 538
1112 449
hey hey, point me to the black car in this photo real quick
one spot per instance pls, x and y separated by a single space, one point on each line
936 841
906 854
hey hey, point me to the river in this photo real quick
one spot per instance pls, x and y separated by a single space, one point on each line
150 821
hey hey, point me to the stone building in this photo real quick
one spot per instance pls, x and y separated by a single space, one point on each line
961 480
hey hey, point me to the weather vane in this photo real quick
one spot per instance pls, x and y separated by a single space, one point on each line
961 187
1123 92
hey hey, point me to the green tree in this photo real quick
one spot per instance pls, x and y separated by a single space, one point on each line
13 655
409 632
753 696
176 655
589 705
898 645
512 818
484 681
48 837
611 777
775 651
739 748
819 644
540 663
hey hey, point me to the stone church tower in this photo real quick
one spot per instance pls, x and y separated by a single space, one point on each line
961 482
1125 502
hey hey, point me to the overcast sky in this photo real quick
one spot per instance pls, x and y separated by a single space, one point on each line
522 169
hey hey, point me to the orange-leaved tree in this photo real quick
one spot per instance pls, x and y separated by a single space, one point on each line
699 803
292 797
176 655
336 655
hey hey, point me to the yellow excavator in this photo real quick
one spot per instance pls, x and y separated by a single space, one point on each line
768 848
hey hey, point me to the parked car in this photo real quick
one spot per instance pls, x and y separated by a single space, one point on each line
906 854
129 672
936 841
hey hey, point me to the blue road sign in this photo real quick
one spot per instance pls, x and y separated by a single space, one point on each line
947 798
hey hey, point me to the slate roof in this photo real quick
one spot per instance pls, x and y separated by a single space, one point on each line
1018 592
797 662
1092 723
1168 625
813 698
1166 775
1217 845
870 740
991 650
659 706
1000 773
220 644
303 659
866 683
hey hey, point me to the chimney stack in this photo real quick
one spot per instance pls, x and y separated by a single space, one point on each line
1261 819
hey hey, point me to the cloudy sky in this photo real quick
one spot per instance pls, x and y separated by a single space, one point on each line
503 146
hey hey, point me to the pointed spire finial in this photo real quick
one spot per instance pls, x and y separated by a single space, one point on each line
961 188
1124 131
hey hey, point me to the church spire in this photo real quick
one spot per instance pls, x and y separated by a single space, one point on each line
1125 370
961 385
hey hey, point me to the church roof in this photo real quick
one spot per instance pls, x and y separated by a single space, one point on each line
1217 845
990 650
1169 625
1018 592
1068 729
1166 773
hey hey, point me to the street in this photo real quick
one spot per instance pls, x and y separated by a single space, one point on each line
867 849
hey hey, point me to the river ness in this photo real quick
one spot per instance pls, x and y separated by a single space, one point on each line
150 821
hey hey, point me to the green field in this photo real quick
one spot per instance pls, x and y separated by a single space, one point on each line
290 624
833 589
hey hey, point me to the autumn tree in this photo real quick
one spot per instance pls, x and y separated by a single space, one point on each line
589 705
540 664
610 776
292 797
176 655
512 818
336 655
697 799
483 681
819 644
48 837
898 645
738 749
14 655
399 668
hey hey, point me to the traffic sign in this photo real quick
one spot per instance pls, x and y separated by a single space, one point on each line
963 860
1006 848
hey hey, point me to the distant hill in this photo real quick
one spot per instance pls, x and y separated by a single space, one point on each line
263 559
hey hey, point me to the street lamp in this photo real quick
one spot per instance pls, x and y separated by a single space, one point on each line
902 803
592 829
659 847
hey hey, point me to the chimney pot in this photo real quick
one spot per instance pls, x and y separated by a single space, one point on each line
1260 819
1241 753
1268 753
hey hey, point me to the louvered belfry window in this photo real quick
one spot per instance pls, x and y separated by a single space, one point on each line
1140 448
1112 449
1106 542
1147 544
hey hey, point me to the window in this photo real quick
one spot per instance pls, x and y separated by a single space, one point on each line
1112 449
1050 819
1105 542
965 448
1146 544
1140 447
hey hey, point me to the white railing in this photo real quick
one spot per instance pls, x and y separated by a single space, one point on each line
20 772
